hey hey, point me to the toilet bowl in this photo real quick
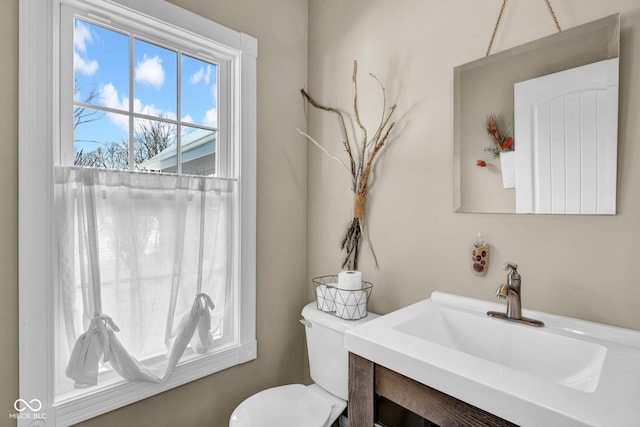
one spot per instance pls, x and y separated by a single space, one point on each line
289 405
316 405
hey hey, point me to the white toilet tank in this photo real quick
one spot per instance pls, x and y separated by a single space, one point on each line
328 360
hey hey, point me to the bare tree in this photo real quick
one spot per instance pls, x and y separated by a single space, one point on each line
113 156
82 114
150 138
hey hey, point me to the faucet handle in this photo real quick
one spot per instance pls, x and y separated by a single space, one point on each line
510 266
502 291
513 277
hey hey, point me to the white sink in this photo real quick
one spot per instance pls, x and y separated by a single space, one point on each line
564 360
569 373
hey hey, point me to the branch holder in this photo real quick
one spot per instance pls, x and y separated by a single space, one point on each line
349 304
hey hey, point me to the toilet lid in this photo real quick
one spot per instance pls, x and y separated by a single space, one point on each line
289 405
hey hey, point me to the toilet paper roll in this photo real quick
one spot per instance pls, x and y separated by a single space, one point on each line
325 297
330 296
320 298
350 305
350 279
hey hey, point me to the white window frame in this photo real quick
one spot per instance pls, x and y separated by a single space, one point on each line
39 134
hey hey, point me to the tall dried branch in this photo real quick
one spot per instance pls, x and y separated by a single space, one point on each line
345 133
376 149
384 108
350 244
367 152
356 112
317 144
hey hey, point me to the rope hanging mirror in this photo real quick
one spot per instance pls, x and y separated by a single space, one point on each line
504 4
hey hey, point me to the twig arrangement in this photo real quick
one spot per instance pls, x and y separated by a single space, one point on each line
359 165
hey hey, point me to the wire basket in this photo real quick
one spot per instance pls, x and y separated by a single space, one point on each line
344 303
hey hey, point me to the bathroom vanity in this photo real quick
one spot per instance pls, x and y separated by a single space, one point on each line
445 359
368 380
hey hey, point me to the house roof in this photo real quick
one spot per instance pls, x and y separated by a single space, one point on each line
196 144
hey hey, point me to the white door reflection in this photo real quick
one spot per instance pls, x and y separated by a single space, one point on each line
566 128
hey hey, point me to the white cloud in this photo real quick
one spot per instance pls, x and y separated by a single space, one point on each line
149 71
200 75
110 98
207 77
81 37
148 109
168 115
197 76
83 65
214 90
188 118
211 117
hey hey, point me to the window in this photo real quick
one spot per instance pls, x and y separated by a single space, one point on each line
138 86
169 123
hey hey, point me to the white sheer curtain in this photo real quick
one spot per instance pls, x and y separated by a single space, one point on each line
144 268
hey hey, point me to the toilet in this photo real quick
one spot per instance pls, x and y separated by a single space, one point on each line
316 405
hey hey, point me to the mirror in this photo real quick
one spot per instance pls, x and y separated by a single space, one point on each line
485 88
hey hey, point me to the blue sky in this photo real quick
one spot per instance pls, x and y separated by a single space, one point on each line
101 60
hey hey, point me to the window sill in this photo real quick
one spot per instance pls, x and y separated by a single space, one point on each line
72 410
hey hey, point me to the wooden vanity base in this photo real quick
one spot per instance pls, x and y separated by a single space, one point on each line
368 380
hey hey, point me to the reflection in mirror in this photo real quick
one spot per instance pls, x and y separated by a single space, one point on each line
566 126
485 88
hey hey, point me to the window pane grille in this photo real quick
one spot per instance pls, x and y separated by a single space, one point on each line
144 133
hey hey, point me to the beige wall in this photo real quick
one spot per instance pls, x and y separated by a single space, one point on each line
582 267
9 209
281 29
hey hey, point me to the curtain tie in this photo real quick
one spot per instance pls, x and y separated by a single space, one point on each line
108 321
206 301
85 356
102 322
203 304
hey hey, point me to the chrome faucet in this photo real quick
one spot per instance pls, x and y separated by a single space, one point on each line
511 292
